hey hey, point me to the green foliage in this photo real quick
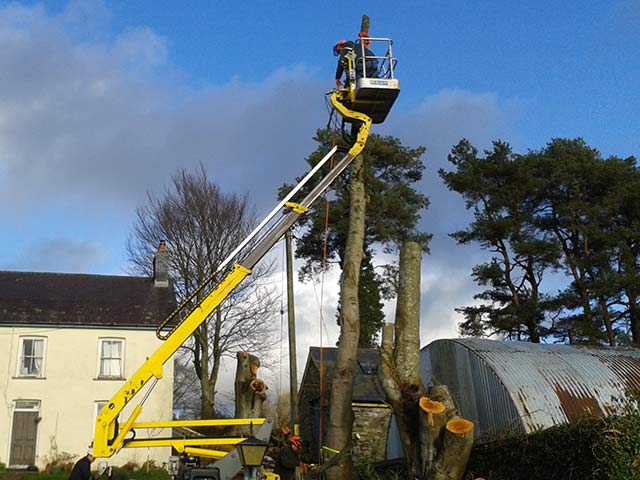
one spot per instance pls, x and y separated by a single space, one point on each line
2 466
603 449
154 474
392 212
369 290
562 208
497 188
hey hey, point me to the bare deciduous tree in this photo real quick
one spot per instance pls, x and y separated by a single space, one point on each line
201 226
186 397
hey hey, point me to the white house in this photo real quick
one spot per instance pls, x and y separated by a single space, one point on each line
68 342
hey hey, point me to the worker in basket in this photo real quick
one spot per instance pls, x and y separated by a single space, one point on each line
366 64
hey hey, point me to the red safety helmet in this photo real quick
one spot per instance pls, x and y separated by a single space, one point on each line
365 36
337 47
296 440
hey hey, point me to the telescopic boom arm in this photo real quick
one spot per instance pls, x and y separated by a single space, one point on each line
110 434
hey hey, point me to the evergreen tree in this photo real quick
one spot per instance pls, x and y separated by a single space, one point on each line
498 188
581 200
392 213
563 208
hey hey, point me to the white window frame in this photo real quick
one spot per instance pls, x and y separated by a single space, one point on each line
97 407
101 341
22 339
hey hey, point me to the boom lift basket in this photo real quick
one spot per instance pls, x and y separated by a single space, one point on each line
371 92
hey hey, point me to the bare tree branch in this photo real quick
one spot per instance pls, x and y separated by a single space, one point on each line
201 226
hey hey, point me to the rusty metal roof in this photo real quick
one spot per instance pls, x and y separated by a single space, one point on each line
511 387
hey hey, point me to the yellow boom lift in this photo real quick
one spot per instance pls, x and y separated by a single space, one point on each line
364 101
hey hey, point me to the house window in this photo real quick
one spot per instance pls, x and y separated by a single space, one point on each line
26 405
31 357
97 408
111 358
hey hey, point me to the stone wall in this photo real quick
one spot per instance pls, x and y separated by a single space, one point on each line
370 430
370 427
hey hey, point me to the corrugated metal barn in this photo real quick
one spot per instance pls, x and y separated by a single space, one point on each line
520 387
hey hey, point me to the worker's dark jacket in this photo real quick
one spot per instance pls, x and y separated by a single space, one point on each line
118 474
286 462
81 470
371 64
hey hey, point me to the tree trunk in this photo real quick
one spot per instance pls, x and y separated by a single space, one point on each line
250 392
340 412
201 363
207 409
456 447
432 429
364 25
606 319
634 317
423 422
401 368
407 332
216 357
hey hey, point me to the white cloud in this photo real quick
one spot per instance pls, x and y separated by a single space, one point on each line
90 121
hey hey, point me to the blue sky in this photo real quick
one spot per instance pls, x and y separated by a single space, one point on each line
567 67
101 102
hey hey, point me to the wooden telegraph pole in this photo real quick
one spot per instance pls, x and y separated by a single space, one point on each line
293 363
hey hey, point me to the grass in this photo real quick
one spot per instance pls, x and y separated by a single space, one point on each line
23 475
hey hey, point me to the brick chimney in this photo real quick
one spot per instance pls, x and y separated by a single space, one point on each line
161 266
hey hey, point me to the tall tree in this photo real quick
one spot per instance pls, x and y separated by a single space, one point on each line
435 441
627 261
562 208
497 188
341 414
201 226
393 211
581 204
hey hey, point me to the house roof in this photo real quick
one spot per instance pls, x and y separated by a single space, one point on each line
31 298
366 385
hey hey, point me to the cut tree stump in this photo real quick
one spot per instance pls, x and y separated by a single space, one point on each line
250 391
456 447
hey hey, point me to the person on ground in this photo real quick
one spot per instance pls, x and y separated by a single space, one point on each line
112 473
82 468
288 459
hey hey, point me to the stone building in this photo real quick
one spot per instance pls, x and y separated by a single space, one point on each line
373 418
